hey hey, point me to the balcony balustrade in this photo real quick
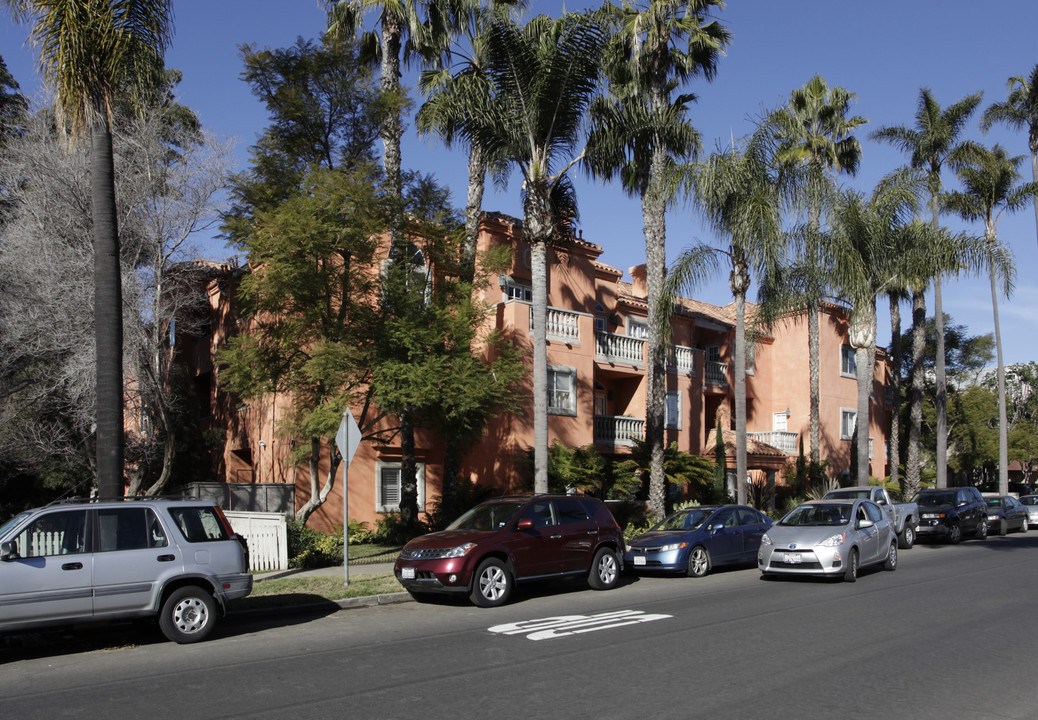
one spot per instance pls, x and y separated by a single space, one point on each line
615 430
681 360
620 348
717 373
782 439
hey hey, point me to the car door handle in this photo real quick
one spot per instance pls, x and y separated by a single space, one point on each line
166 558
72 566
592 532
556 537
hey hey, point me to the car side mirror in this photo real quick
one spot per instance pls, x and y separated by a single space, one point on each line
525 524
8 551
865 524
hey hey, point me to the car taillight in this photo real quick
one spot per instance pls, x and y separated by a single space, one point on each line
223 521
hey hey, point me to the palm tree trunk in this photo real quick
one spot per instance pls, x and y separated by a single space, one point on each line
913 470
655 230
473 211
1034 176
537 232
108 308
815 392
739 281
1000 374
862 339
894 445
392 33
941 401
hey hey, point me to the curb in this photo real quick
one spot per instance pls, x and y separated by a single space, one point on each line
314 607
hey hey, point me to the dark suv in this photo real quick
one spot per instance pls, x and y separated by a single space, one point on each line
512 539
952 513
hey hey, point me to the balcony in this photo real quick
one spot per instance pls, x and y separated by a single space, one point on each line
717 373
681 360
619 348
616 430
561 325
782 439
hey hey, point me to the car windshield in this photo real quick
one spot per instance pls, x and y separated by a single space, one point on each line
819 515
488 516
691 519
994 502
937 498
1029 500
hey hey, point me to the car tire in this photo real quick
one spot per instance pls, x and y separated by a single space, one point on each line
891 561
188 615
982 531
1003 528
907 537
491 584
698 562
850 574
955 534
1024 526
605 570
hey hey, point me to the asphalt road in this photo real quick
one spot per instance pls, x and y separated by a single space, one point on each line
945 636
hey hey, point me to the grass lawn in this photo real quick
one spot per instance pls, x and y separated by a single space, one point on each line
287 591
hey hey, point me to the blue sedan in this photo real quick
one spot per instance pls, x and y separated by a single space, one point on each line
696 539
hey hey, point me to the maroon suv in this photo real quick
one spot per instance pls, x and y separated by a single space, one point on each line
511 539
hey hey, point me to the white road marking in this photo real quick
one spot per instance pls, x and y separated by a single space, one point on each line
564 625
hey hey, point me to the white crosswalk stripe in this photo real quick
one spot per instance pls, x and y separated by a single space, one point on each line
566 625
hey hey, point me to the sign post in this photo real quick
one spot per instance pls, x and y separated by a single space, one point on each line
346 439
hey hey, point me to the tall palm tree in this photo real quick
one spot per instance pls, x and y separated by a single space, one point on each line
642 131
462 76
738 197
543 77
931 144
1019 111
991 187
93 52
814 140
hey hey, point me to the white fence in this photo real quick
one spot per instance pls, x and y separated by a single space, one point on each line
267 535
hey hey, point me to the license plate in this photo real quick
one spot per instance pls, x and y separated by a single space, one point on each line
407 573
639 559
792 559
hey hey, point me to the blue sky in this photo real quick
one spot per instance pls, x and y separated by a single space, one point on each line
884 51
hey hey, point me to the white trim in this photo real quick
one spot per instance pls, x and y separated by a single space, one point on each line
673 423
847 359
562 371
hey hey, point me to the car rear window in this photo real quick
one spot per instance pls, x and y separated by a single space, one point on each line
199 524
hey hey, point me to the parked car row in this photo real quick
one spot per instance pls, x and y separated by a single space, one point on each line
518 539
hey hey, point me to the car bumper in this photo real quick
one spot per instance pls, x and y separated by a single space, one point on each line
668 561
235 586
932 528
803 561
449 575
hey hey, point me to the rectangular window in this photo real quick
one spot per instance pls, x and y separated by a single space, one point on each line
847 421
673 410
523 293
199 524
751 358
600 324
713 353
637 328
128 528
389 489
847 361
562 390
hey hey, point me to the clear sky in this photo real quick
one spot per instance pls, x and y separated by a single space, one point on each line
884 51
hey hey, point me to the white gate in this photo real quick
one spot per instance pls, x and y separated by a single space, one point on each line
267 535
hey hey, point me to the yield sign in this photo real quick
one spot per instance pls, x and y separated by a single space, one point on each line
348 437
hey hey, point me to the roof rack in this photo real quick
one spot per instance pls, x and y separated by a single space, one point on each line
77 500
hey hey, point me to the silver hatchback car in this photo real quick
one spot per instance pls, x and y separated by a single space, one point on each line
833 538
76 561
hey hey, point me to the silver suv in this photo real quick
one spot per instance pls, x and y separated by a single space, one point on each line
81 560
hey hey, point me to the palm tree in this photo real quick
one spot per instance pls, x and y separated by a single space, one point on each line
93 52
641 132
991 187
738 198
1018 111
543 77
463 75
930 144
814 140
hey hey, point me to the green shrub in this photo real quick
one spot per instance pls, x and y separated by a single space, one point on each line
308 548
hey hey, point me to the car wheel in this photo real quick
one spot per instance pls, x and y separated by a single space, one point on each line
851 573
907 537
492 584
1024 527
955 534
605 570
698 561
1003 528
188 615
891 563
982 531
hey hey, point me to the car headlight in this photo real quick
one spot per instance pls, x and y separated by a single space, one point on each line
833 541
765 540
674 546
459 551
